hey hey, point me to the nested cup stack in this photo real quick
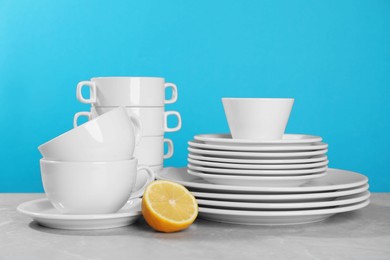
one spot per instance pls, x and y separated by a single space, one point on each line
91 168
144 100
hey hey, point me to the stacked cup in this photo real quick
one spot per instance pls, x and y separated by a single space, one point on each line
143 98
91 169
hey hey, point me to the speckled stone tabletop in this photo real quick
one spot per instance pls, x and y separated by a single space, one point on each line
364 234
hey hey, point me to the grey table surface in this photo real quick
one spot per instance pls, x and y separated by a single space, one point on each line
364 234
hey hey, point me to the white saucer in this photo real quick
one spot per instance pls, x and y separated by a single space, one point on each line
334 180
257 181
318 158
274 217
281 198
255 172
257 155
44 213
340 201
242 148
258 166
287 139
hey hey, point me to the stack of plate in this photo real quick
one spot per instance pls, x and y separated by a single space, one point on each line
338 191
292 161
267 182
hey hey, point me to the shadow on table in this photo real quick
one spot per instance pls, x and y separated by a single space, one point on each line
98 232
368 222
362 223
140 226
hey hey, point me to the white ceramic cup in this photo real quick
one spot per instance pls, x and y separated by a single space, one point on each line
154 119
127 91
109 137
257 118
92 187
141 179
138 126
150 150
156 168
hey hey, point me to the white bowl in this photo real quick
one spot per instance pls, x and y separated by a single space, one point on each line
92 187
257 118
109 137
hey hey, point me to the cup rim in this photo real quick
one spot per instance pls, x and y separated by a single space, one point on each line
50 161
127 77
86 124
259 99
137 107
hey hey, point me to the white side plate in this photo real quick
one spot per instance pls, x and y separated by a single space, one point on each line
286 140
281 198
335 179
254 172
340 201
45 214
258 166
254 148
312 159
256 181
254 217
257 155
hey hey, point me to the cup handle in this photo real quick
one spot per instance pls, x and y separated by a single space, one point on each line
174 93
151 177
79 114
170 148
173 129
137 127
92 87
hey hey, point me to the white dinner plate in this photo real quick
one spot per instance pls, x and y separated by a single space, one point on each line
256 181
255 172
318 158
279 148
257 155
340 201
270 217
257 166
45 214
288 139
335 179
282 198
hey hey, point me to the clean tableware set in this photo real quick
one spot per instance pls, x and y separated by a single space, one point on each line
258 175
144 99
255 175
95 174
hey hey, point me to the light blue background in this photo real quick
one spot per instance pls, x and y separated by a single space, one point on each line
333 57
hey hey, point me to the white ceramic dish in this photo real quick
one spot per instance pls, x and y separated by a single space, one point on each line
127 91
340 201
335 179
154 120
252 172
150 150
313 147
257 155
270 161
93 187
256 181
109 137
258 166
257 118
45 214
288 139
282 197
269 217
